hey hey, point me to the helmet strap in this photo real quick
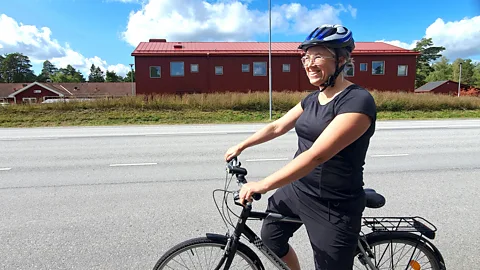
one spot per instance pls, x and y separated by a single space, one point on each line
331 79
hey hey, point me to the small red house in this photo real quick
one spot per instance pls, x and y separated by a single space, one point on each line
441 87
39 92
179 67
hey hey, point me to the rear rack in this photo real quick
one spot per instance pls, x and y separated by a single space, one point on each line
401 224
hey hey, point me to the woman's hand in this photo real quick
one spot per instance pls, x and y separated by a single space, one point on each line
248 189
232 152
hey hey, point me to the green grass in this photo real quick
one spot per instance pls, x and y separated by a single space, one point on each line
220 108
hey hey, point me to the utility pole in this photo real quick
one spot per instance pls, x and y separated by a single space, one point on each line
131 77
270 55
459 78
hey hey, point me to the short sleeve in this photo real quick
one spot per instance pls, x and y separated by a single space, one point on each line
306 100
357 100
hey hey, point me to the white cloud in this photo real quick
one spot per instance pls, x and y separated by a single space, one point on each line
39 46
461 39
225 20
400 44
28 39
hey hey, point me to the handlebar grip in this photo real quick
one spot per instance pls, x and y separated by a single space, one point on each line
256 196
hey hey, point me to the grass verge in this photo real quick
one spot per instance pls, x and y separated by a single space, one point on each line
92 117
220 108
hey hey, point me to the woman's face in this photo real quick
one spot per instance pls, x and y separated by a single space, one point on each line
319 64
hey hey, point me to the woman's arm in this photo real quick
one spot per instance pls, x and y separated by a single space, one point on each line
269 132
274 129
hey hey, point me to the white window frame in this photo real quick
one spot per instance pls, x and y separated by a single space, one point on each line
29 99
194 68
373 69
406 70
171 69
218 70
366 66
261 63
159 72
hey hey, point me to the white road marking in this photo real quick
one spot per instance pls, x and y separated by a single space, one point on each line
268 159
390 155
133 164
5 169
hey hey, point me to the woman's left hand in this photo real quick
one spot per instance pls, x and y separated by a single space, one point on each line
248 189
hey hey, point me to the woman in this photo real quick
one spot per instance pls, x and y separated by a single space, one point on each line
323 184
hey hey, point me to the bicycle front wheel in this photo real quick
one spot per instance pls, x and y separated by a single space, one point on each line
206 253
393 251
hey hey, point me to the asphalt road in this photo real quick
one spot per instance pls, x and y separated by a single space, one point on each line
118 197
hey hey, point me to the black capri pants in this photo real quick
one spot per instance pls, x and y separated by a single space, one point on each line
333 227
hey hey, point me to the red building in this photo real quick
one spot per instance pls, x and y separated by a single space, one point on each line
20 93
179 67
442 87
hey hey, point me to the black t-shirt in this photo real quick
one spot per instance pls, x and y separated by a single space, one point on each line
341 177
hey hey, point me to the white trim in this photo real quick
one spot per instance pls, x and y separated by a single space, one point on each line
12 95
66 89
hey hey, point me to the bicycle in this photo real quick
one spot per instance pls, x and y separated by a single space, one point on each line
412 231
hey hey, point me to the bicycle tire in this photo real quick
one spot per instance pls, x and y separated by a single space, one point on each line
243 251
377 238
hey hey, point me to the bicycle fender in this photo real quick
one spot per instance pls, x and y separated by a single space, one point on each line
413 236
216 236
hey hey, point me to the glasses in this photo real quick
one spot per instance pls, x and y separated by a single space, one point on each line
316 59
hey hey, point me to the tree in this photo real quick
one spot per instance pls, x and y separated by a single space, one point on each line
16 68
1 63
429 53
96 74
467 71
128 77
68 74
476 74
112 77
48 71
442 70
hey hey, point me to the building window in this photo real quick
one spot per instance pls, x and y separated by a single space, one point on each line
259 68
218 70
245 67
177 69
402 70
155 72
378 67
363 66
194 68
29 100
286 67
349 70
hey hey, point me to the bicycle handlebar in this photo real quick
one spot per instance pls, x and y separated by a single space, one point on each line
234 168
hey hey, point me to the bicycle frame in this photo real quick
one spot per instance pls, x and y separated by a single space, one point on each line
242 228
233 240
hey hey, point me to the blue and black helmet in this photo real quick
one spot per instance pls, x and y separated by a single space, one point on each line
333 36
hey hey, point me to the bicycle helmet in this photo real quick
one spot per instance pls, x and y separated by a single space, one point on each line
336 37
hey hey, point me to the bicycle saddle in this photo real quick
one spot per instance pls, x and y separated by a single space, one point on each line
374 199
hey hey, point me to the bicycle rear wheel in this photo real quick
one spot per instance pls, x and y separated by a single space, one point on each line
205 253
398 251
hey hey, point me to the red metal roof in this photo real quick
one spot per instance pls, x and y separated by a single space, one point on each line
161 47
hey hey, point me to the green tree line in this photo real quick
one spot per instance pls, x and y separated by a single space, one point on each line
433 66
17 68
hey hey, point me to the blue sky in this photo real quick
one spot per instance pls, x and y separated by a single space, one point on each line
105 32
